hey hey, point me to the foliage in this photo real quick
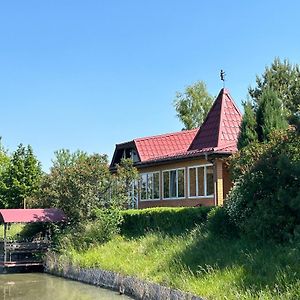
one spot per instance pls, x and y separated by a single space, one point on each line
247 133
21 179
163 219
104 226
193 105
121 186
79 183
284 79
264 202
220 224
269 115
4 166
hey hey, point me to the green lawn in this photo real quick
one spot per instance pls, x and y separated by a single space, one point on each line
195 261
12 231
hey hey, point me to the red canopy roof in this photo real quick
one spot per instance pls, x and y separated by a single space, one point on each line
32 215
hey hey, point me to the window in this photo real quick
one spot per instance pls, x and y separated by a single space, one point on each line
149 186
201 181
173 182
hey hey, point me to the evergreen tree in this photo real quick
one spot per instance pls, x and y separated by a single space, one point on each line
248 132
269 115
283 78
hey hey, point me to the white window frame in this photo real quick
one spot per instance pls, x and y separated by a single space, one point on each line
184 189
140 192
197 187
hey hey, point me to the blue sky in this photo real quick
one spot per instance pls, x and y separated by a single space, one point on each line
89 74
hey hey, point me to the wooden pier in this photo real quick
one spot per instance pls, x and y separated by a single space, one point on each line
22 254
29 253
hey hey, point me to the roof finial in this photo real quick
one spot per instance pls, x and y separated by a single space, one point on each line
222 75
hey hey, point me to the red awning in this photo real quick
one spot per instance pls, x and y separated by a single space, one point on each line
32 215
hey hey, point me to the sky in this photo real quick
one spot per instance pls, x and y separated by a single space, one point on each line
90 74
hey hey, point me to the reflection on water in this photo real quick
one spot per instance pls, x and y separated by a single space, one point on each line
37 286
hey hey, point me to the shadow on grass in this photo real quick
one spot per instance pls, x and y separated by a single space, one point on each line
264 265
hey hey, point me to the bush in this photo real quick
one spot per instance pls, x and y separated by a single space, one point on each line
265 200
104 226
164 219
219 223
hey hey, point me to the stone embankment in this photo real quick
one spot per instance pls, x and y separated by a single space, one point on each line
131 286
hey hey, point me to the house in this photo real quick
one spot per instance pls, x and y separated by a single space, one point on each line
186 168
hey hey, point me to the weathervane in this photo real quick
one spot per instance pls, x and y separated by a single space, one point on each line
222 75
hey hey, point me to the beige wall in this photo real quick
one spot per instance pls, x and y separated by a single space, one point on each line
208 201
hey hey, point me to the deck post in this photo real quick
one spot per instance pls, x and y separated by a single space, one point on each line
5 251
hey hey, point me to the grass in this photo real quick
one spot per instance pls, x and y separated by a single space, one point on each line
13 231
201 263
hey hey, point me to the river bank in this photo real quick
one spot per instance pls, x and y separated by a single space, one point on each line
131 286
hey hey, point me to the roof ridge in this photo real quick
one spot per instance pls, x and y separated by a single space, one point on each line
166 134
223 91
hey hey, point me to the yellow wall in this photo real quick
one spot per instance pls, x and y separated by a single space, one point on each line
207 201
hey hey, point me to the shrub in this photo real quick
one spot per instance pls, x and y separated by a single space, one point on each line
164 219
219 223
104 226
265 200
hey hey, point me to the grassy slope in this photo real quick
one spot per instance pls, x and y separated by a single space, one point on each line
209 266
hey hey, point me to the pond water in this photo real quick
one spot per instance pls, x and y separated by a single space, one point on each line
39 286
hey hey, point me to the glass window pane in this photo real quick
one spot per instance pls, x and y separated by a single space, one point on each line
150 186
192 174
156 186
166 177
209 181
144 187
173 188
200 181
180 183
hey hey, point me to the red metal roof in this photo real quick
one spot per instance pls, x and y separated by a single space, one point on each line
31 215
221 126
152 147
218 134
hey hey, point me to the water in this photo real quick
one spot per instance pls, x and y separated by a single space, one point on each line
39 286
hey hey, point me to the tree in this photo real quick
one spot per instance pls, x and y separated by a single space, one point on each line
248 132
284 79
81 184
265 199
23 177
4 166
269 115
123 184
193 105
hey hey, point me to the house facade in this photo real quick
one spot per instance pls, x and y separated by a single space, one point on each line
185 168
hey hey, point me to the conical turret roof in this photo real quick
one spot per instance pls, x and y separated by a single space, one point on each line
221 127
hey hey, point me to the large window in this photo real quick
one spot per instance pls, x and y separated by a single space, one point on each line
150 186
173 183
201 181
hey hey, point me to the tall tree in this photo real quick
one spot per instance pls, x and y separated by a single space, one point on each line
248 132
283 78
4 167
23 177
269 115
193 105
79 184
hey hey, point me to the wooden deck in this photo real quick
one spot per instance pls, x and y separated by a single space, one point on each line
22 253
